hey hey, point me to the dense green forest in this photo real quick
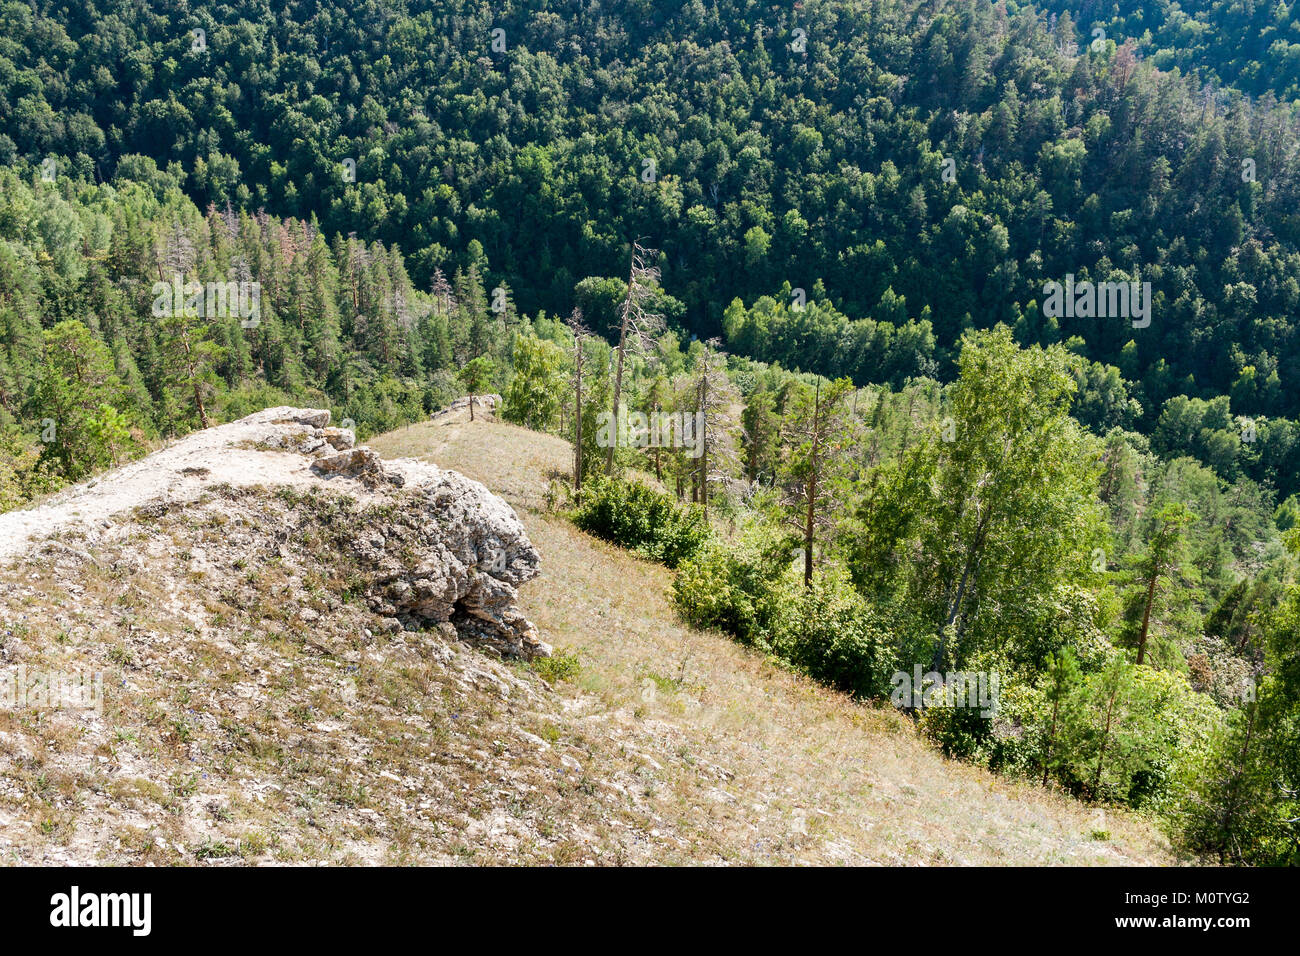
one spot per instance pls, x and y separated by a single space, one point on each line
1251 46
851 213
902 162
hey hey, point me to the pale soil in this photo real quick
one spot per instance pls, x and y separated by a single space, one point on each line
215 453
255 713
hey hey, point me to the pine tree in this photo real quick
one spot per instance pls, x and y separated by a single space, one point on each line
817 437
189 358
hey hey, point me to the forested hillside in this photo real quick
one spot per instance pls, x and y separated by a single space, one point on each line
1252 46
837 235
756 145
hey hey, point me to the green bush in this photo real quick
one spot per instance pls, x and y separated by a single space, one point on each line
830 633
631 514
735 587
753 591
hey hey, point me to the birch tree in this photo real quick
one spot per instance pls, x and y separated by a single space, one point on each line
995 504
580 335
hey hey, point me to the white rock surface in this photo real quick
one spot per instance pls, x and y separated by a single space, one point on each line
451 552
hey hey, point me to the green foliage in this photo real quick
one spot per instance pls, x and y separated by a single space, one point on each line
21 475
735 587
635 516
829 632
558 667
462 151
80 431
996 504
477 375
982 525
539 385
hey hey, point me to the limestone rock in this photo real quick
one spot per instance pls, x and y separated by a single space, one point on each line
360 463
440 551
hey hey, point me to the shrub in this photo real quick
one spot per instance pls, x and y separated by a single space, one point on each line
734 587
636 516
830 633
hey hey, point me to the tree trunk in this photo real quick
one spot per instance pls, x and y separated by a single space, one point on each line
198 400
972 557
1051 734
1105 741
704 443
577 418
810 518
808 535
194 380
618 393
659 471
618 375
1230 807
1146 612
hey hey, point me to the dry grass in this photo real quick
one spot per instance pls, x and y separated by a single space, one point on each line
737 760
254 714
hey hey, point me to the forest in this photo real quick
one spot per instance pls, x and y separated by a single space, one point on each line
827 232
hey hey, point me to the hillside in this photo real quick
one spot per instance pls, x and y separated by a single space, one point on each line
749 749
906 169
264 703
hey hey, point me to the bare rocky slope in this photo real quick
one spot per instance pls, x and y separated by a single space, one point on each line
313 653
433 547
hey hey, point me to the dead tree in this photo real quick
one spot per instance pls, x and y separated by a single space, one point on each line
580 333
637 325
715 399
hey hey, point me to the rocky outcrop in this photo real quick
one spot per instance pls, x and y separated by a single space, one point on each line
489 403
453 554
435 550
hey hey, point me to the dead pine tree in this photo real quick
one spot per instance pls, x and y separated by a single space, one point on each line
580 333
655 398
715 398
637 325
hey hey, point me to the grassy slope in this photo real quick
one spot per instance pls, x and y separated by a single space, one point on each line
724 757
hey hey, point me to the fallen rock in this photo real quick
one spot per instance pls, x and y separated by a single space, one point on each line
360 463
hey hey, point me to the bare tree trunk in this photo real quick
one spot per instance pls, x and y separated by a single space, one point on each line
704 443
659 471
577 416
636 323
810 520
618 392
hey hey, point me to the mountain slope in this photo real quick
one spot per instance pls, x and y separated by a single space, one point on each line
260 707
754 764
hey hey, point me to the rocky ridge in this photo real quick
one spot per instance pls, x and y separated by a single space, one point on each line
433 549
